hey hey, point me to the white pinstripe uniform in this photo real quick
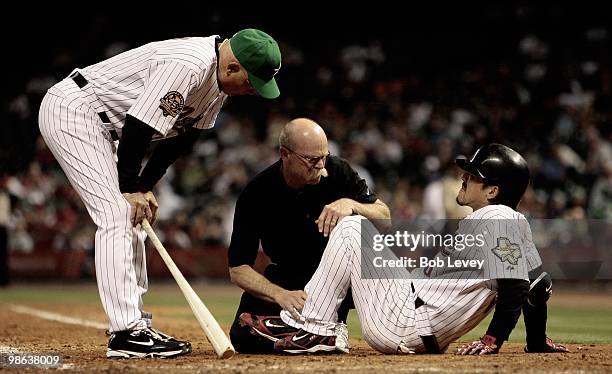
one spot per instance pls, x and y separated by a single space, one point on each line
384 298
77 121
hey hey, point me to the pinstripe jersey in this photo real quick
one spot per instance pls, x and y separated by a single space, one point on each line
508 252
170 85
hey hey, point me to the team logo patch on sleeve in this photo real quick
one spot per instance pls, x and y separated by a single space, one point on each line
172 104
507 251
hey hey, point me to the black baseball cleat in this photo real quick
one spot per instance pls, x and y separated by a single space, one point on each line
166 337
547 347
144 343
270 327
306 342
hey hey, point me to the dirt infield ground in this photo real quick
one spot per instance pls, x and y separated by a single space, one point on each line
83 349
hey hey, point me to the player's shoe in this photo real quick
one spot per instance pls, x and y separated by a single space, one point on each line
270 327
548 347
186 345
306 342
144 343
342 341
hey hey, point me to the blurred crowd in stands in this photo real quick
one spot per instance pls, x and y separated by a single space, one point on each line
400 124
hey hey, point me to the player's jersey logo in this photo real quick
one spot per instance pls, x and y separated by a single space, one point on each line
182 124
507 251
172 104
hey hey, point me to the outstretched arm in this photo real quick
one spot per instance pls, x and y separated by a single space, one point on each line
535 314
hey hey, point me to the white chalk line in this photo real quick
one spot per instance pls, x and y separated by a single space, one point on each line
50 316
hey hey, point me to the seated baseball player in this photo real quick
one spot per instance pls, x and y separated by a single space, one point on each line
426 310
290 208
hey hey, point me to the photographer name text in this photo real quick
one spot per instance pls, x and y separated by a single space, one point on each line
423 262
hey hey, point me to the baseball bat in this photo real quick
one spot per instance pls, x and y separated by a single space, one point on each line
215 335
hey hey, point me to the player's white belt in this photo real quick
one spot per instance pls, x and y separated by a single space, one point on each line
81 82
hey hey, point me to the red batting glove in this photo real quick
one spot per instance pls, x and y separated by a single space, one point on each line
485 346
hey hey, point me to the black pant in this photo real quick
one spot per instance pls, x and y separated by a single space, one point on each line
4 271
246 342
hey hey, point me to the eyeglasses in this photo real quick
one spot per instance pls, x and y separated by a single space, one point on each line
311 161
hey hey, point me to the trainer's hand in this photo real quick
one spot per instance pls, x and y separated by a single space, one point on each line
485 346
140 207
291 301
152 205
332 213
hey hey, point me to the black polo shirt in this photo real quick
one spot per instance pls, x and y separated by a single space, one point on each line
283 219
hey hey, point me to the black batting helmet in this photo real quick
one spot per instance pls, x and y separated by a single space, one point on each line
500 166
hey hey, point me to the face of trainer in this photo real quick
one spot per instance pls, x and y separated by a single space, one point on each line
304 162
474 193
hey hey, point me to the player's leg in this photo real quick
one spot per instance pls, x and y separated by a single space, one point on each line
329 284
140 266
383 302
383 298
70 129
320 314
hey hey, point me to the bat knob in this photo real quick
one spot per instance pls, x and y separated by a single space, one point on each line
227 354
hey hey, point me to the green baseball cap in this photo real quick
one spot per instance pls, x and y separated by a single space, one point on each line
259 54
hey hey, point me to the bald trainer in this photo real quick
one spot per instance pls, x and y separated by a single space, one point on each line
290 208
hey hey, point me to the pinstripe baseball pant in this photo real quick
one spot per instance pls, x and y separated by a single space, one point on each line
74 133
